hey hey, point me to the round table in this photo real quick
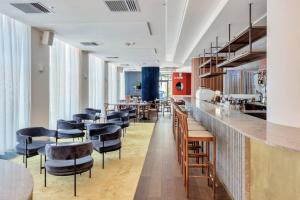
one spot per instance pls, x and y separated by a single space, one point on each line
16 181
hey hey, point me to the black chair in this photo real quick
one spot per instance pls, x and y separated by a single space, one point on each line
95 112
70 129
27 147
120 118
132 113
67 159
109 139
99 127
84 118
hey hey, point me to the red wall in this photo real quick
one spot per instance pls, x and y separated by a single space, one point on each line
185 79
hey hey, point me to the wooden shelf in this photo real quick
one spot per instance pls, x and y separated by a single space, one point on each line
211 74
213 62
243 58
242 39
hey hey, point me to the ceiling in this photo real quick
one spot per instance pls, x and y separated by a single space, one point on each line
179 29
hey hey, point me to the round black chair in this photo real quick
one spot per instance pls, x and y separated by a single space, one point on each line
27 146
95 112
120 118
67 159
132 113
70 129
109 139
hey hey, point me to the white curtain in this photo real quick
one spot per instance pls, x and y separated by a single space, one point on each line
15 80
96 82
122 85
64 81
113 86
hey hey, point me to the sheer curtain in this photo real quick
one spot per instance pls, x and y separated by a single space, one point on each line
15 76
96 82
113 86
64 81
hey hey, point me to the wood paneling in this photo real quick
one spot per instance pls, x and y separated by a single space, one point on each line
213 83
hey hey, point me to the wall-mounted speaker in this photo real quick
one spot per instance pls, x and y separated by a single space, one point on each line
48 37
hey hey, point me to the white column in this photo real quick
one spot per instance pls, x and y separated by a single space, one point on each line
283 47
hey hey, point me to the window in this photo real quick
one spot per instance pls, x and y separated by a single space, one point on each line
64 81
15 71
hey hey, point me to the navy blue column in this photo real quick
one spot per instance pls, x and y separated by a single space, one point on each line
150 83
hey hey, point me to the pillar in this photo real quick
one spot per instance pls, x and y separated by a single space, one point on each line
283 67
150 83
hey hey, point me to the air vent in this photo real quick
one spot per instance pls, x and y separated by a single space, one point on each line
31 8
122 5
89 43
112 57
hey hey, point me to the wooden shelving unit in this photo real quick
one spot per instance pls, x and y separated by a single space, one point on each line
211 74
243 58
242 39
212 62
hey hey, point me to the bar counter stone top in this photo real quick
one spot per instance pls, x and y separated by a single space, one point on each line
252 127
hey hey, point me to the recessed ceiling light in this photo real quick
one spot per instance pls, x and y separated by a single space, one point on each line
112 57
89 43
130 44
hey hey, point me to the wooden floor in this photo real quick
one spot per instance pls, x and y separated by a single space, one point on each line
161 177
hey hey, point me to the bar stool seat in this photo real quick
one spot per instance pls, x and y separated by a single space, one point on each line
196 127
200 134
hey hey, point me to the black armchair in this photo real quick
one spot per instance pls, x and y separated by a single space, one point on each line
120 118
27 146
68 159
132 113
109 139
69 129
83 118
95 112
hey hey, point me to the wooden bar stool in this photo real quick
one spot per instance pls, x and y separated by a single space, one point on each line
192 137
196 126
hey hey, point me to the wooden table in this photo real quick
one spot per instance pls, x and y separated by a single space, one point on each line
139 105
16 181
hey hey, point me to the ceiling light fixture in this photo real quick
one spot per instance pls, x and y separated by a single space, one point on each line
130 44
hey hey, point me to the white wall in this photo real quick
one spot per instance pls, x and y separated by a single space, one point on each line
283 85
39 80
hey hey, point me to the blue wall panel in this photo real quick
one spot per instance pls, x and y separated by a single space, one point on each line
150 83
131 79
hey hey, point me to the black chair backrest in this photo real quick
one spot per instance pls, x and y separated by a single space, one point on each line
26 134
92 111
72 124
114 115
68 151
81 117
99 125
111 136
108 129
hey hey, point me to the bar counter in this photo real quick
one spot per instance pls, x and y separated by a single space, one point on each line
256 159
252 127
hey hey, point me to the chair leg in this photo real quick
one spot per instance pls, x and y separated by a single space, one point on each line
75 184
23 159
119 154
26 160
45 178
103 160
90 173
41 157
